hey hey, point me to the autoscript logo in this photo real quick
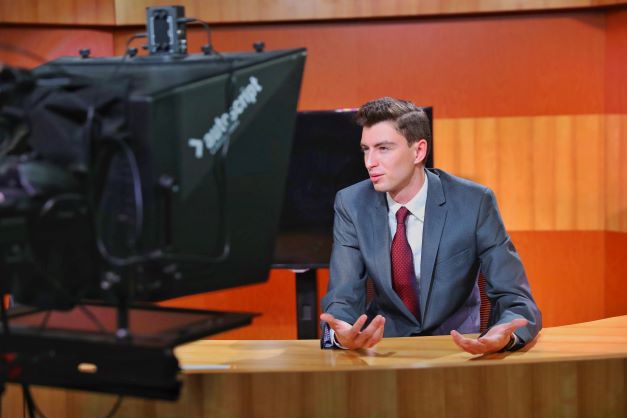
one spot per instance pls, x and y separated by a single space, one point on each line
225 124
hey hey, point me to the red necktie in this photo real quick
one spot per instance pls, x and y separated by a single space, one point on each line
403 275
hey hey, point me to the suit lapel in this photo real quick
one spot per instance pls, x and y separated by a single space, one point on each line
435 217
381 240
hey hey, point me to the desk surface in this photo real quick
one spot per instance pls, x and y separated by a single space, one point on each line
606 338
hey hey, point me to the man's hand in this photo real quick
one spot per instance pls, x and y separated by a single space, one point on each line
493 341
351 336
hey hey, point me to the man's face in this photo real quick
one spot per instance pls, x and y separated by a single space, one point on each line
391 162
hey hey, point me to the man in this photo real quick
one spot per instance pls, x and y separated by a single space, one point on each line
421 236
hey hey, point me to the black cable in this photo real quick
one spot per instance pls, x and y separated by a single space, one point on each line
137 188
90 315
115 407
126 52
208 48
137 35
96 183
44 322
139 211
32 408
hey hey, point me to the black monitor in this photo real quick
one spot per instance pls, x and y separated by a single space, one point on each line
326 157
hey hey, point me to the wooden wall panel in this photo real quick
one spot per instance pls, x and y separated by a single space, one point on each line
215 11
616 173
543 133
50 43
564 200
515 177
589 155
616 61
566 271
67 12
464 66
615 274
549 173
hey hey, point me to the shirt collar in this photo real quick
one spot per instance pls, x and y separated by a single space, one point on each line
416 204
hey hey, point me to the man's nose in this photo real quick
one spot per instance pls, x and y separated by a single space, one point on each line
370 160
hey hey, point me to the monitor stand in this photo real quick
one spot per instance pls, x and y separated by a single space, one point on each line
307 304
84 349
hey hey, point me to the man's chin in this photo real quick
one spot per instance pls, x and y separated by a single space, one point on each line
379 187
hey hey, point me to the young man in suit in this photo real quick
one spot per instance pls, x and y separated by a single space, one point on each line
422 236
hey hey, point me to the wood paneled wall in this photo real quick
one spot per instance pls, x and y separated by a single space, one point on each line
549 173
616 61
534 105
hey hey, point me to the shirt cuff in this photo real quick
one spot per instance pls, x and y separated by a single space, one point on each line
513 342
334 341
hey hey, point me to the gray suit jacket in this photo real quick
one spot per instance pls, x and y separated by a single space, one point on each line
463 232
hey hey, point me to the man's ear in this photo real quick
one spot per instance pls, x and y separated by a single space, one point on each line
420 151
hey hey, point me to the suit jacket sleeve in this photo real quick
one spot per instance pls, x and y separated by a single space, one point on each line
507 286
346 296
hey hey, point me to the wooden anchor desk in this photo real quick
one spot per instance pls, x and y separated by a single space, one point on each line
570 371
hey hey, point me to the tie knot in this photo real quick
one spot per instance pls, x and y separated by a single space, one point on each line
401 215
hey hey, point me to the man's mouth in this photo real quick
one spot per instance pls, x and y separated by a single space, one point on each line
375 177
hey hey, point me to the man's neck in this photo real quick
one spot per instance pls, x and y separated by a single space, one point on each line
413 187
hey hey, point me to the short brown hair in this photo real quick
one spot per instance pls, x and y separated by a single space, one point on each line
409 120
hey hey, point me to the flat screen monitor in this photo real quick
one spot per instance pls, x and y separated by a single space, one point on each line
326 157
